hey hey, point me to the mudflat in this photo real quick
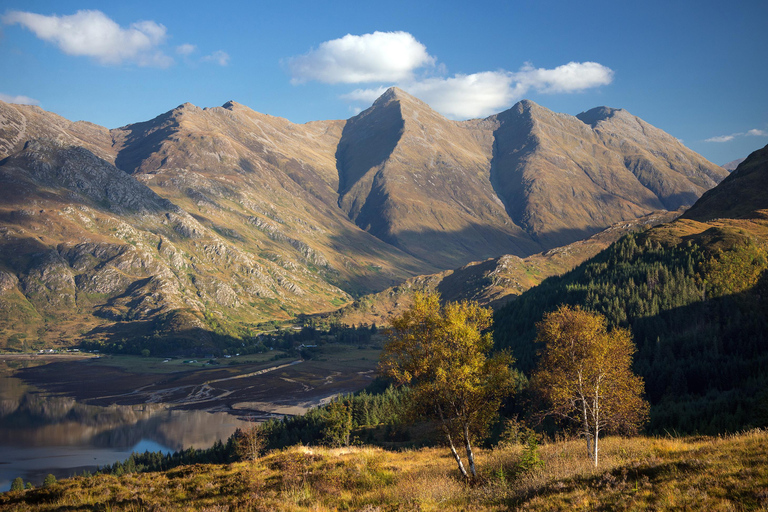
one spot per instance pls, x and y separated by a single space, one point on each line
255 387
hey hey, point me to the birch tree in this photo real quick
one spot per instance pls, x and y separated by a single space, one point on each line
585 375
442 353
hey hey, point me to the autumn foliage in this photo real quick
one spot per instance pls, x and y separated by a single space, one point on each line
585 375
441 351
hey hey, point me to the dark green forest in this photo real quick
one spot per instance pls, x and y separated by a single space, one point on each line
696 306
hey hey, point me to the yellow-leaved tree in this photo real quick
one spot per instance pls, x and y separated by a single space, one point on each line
585 375
442 353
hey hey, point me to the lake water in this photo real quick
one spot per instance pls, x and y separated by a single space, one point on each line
42 434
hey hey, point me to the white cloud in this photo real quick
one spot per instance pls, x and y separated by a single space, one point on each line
392 58
489 92
364 95
23 100
754 132
723 138
466 96
186 49
377 57
219 57
93 34
571 77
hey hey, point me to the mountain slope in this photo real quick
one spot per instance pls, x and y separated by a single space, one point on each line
518 182
739 195
564 178
492 282
421 182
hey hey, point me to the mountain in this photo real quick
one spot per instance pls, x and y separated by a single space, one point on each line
694 293
201 222
519 182
733 164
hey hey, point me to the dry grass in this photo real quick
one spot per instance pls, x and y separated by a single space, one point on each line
727 473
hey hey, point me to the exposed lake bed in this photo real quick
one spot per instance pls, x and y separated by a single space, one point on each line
65 414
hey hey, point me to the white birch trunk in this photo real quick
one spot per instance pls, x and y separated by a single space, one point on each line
470 455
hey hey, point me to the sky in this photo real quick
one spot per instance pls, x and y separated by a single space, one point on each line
696 69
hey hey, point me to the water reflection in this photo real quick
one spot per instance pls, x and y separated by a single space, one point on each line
42 434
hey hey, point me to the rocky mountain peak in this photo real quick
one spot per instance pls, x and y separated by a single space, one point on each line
403 98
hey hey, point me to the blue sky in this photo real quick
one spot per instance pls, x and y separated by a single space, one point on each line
696 69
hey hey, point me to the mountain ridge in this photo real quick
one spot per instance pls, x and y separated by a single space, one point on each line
256 218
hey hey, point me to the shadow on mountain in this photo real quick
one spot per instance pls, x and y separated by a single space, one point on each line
447 250
512 144
170 334
139 141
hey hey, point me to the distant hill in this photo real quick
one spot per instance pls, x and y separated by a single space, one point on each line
694 293
203 222
493 282
733 164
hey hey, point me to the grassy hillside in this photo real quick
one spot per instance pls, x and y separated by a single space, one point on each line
724 473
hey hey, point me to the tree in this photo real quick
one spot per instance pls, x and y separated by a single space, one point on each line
251 442
338 424
49 480
17 484
586 377
441 352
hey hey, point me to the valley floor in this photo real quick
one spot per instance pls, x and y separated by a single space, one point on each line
701 473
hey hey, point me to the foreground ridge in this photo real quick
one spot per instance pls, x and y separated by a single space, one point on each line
638 473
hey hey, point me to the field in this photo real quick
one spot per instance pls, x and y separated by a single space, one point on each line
724 473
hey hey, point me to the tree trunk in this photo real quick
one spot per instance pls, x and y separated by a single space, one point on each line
587 432
447 431
596 416
457 456
470 455
597 432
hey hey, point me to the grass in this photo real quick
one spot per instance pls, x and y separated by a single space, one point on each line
725 473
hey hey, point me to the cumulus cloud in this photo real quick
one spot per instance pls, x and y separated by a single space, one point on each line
218 57
393 58
377 57
23 100
465 96
754 132
91 33
571 77
483 94
186 49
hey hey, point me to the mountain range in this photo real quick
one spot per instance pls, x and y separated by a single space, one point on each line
207 221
